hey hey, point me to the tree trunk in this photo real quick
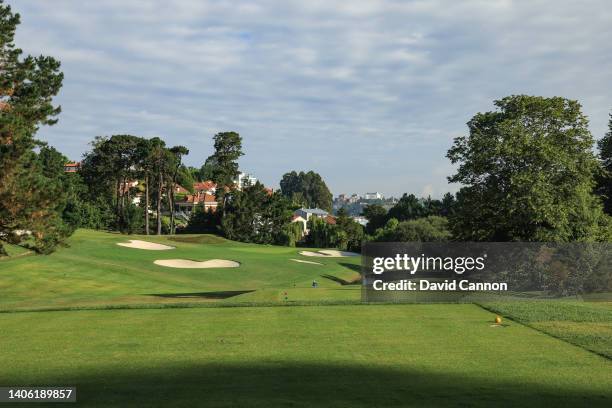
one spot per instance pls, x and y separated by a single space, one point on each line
171 200
159 201
147 204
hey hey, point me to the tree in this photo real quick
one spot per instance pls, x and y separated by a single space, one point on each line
376 216
528 173
228 149
429 229
176 155
254 215
161 161
344 233
109 167
306 189
605 179
207 171
27 88
408 208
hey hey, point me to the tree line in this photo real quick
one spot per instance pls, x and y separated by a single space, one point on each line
528 171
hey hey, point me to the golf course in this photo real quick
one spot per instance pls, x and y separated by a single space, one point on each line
126 331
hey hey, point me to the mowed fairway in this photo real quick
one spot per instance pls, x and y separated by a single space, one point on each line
115 332
93 271
315 356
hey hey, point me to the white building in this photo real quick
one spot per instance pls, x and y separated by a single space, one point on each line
244 180
374 196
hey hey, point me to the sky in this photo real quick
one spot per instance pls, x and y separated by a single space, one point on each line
369 94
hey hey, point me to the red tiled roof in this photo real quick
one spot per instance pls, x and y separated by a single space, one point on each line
201 197
204 185
330 220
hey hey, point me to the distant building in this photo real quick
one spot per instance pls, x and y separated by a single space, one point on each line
307 213
374 196
188 204
244 180
304 215
207 187
72 167
360 219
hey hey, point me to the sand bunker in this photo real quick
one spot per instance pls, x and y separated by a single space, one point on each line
187 263
306 262
329 253
151 246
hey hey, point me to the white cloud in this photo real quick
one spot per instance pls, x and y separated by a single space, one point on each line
369 94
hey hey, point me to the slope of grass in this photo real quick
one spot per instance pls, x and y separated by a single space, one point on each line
586 324
14 251
336 356
94 271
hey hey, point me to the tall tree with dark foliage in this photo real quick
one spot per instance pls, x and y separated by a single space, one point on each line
29 204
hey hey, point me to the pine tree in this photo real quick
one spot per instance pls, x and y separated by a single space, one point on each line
27 85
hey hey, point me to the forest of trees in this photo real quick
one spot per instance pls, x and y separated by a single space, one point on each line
528 171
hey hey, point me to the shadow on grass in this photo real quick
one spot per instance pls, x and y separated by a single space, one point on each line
341 281
287 384
203 295
352 267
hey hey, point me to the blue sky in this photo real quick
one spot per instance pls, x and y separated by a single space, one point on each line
368 93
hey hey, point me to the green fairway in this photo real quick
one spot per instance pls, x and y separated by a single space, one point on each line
154 354
94 271
337 356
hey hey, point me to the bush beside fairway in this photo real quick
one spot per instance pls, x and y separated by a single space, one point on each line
336 356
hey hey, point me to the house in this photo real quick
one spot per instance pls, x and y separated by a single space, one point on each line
125 187
178 189
297 218
190 201
304 215
72 167
206 187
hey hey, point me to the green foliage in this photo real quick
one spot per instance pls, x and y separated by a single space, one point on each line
291 234
29 199
254 215
345 234
376 216
203 221
207 171
224 162
528 173
604 181
429 229
307 190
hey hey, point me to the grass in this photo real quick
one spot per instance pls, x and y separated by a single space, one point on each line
93 271
127 332
586 324
14 251
336 356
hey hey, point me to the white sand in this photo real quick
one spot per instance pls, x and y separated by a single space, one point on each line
186 263
329 253
306 262
151 246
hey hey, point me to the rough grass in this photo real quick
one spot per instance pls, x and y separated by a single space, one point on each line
586 324
336 356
